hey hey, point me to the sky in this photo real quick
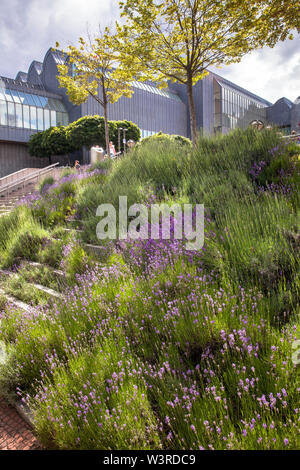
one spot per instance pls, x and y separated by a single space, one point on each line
29 27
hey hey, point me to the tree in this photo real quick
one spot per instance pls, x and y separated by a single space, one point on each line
93 69
177 40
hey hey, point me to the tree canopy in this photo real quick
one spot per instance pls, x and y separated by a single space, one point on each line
178 40
92 70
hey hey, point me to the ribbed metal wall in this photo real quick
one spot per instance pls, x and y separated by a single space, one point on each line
150 111
15 156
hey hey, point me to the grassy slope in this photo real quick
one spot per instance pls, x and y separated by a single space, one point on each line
161 348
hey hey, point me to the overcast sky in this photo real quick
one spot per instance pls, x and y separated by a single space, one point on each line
29 27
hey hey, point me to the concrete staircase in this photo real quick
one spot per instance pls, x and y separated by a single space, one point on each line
21 183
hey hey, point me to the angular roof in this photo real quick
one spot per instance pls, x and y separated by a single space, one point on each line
22 77
38 66
224 81
285 101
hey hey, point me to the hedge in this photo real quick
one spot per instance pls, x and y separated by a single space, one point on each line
85 132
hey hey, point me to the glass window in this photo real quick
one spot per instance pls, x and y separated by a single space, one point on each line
26 98
3 113
8 96
11 115
53 118
40 119
26 117
15 96
36 100
47 118
33 120
19 115
59 119
43 100
65 119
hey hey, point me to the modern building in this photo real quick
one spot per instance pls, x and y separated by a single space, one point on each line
33 102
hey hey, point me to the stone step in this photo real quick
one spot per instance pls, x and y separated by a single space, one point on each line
51 292
17 303
58 272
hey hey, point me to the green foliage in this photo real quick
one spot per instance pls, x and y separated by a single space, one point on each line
52 141
88 131
36 146
160 137
191 352
133 132
22 238
48 181
85 132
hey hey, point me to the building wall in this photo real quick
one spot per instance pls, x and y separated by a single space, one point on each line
50 82
15 156
280 113
295 116
149 111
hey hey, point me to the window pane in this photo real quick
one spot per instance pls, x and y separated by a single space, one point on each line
47 118
43 100
15 96
29 99
65 119
53 118
36 100
3 113
59 119
26 117
11 114
8 96
19 116
33 117
53 104
40 119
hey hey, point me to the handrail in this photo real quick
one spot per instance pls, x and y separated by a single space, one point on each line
290 136
11 175
38 173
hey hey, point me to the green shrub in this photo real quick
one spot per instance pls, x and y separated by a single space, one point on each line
160 137
23 238
48 181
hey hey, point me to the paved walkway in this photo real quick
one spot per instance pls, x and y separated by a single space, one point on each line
15 433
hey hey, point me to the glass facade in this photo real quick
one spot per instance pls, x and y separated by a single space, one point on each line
29 111
233 108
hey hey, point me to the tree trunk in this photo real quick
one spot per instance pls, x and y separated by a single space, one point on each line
193 122
50 160
105 103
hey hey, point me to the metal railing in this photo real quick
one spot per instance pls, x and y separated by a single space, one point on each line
294 137
23 181
12 176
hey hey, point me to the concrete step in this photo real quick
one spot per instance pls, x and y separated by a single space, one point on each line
17 303
51 292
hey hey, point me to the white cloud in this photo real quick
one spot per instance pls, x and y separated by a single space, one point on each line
269 73
29 27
